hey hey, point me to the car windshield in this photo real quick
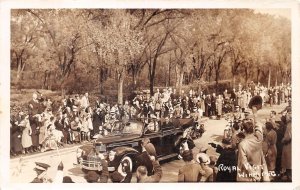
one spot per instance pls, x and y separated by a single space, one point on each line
132 128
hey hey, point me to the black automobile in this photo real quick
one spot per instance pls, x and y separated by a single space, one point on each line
123 143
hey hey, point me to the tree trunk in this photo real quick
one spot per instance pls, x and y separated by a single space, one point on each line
269 78
120 88
217 80
276 80
246 76
258 72
133 80
233 80
100 81
169 83
180 82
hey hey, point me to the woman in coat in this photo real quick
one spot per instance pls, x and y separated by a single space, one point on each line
26 134
286 159
16 137
219 103
271 150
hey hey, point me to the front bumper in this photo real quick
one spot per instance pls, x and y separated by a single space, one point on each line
93 165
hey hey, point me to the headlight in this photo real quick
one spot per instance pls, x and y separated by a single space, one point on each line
111 155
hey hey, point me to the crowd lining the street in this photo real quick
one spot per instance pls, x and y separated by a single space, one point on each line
248 148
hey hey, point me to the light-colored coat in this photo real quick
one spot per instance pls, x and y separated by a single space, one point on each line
251 161
219 103
271 151
191 172
26 135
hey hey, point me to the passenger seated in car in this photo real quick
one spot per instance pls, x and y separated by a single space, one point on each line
152 127
167 124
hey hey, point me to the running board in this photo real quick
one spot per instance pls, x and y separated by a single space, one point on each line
167 156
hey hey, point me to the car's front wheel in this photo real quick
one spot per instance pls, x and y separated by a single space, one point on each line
126 163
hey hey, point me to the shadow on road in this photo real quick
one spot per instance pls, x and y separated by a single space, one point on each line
76 171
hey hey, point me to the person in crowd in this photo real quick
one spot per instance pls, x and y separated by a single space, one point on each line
280 134
270 150
191 171
178 111
76 128
251 162
207 102
213 104
227 161
204 161
67 131
84 102
286 158
16 136
84 130
219 105
67 179
35 108
26 134
142 172
158 107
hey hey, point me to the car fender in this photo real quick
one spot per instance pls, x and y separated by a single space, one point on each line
121 152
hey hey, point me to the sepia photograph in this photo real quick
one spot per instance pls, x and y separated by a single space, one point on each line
150 95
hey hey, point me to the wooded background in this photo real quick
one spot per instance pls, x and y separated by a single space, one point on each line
117 51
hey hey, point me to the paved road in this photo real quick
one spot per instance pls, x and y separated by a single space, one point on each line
21 171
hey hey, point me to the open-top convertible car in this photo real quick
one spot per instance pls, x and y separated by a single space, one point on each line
123 143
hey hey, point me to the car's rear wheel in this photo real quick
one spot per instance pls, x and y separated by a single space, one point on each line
127 161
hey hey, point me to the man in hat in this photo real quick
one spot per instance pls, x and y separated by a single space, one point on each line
237 114
167 124
204 161
191 171
35 108
178 111
41 170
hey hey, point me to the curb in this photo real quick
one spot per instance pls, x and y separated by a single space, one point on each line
47 153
